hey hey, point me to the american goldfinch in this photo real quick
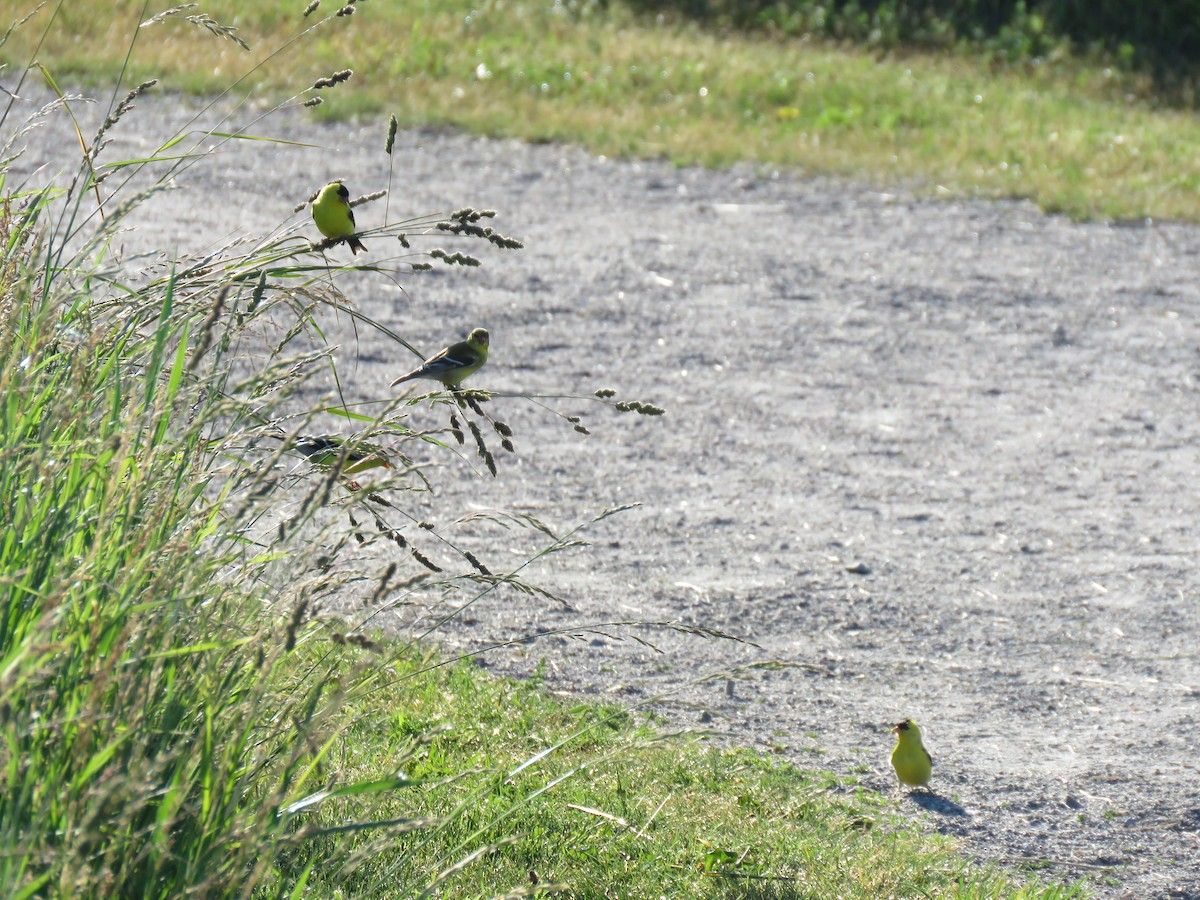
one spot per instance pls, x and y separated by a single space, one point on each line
454 363
334 217
910 759
325 450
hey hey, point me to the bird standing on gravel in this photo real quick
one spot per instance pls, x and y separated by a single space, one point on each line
334 217
454 363
910 759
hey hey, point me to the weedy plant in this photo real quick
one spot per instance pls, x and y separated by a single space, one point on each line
169 694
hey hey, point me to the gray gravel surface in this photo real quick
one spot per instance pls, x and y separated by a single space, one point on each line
942 453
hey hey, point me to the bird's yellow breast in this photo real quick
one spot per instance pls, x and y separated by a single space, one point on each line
911 761
332 215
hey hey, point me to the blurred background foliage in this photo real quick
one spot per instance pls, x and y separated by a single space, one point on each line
1162 38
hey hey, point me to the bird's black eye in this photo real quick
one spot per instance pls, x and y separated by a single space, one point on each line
903 726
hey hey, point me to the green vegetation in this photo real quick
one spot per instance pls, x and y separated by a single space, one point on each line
635 815
1075 137
1164 39
177 716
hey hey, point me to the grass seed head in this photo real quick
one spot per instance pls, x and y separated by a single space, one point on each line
227 32
206 330
167 13
637 406
474 561
424 560
367 198
385 582
478 435
393 126
260 288
294 624
335 79
98 143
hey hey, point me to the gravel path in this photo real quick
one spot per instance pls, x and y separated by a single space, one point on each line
943 453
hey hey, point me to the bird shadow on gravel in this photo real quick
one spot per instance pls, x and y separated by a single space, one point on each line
933 803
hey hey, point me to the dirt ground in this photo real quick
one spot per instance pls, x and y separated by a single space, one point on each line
943 454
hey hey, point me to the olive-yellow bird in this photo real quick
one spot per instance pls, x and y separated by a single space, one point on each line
334 217
455 363
326 450
910 759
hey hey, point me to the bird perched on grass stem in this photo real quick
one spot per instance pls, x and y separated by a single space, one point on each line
334 217
455 363
326 450
910 759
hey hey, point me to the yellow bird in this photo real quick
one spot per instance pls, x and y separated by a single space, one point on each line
334 217
455 363
326 450
910 759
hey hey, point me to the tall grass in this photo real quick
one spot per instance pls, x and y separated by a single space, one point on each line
131 701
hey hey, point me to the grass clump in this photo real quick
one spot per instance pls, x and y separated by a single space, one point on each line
134 696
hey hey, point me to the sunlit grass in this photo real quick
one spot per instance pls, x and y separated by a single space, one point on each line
1072 137
658 816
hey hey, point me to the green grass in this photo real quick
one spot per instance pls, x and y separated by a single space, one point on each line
1070 135
641 815
177 716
